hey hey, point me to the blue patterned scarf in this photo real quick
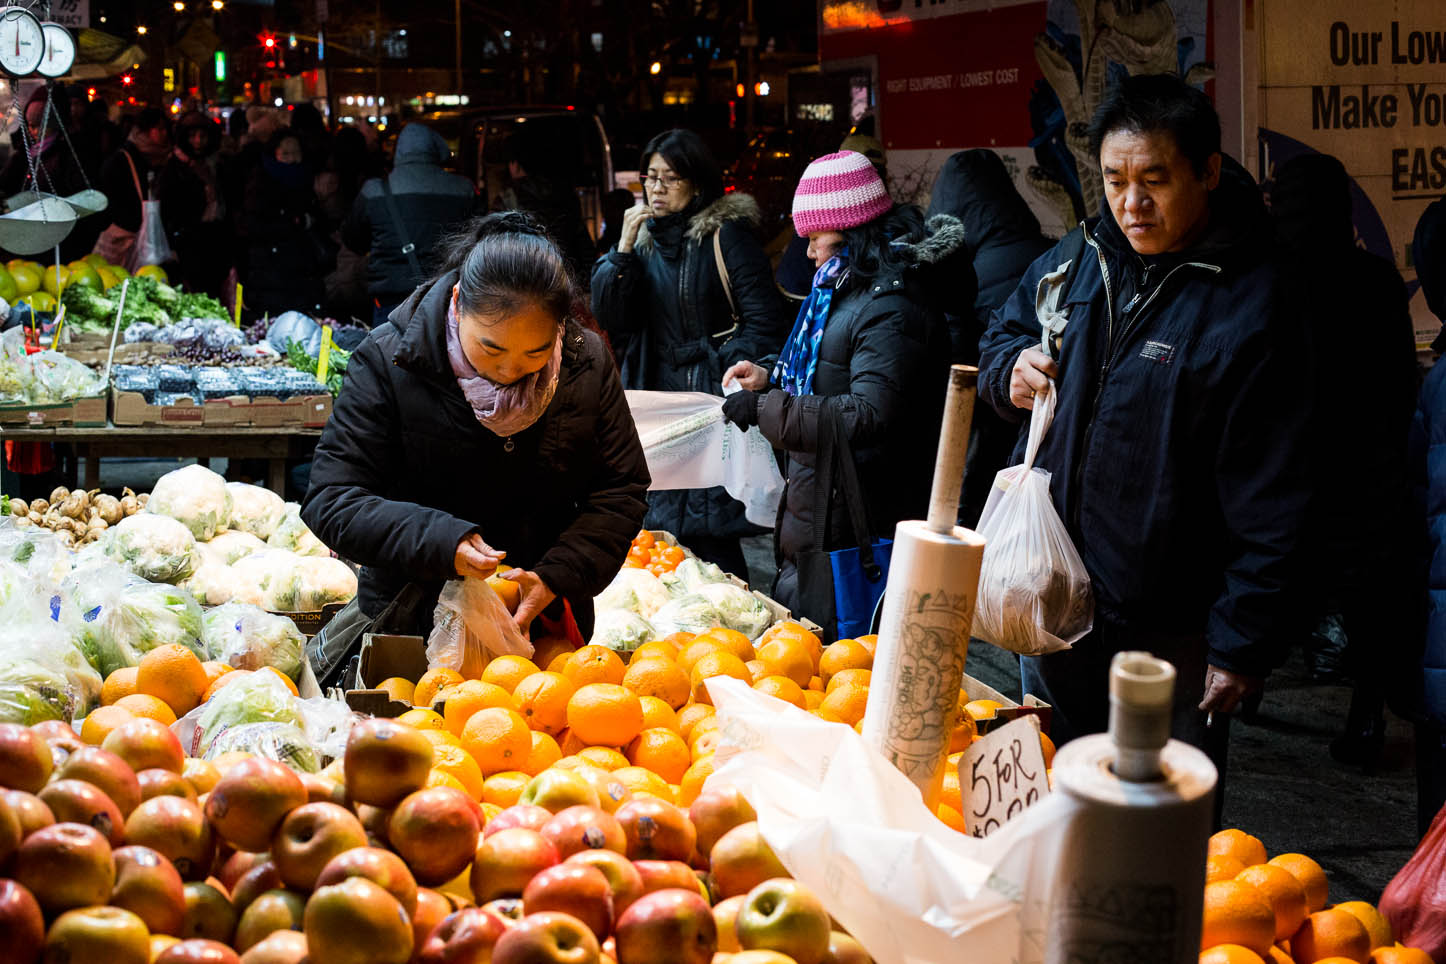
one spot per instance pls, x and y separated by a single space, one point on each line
799 359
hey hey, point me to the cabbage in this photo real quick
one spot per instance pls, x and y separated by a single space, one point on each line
691 574
739 608
636 590
325 580
256 698
117 618
44 678
293 535
247 637
154 547
687 614
229 546
620 630
37 551
255 510
194 496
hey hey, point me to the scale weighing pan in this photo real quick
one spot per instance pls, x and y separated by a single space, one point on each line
37 227
23 199
87 202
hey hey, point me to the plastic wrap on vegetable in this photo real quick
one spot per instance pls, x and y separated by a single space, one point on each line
196 497
282 742
636 590
16 375
295 326
155 547
142 331
231 546
690 575
60 378
117 618
214 584
740 609
292 535
620 630
38 552
324 581
175 379
273 580
255 698
327 724
255 510
687 614
44 677
248 637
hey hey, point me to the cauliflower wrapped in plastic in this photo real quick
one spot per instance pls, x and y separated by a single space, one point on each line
691 574
43 676
60 378
214 584
248 637
739 608
194 496
292 535
273 580
325 580
636 590
255 510
620 630
117 618
154 547
687 614
230 546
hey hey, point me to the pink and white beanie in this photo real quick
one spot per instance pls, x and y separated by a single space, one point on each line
838 192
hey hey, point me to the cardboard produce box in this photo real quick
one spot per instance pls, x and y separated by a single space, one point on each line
78 413
382 657
312 411
1010 711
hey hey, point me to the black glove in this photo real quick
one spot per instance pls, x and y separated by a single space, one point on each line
741 408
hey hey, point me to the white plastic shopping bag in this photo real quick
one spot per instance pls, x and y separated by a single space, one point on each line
1034 590
152 246
689 446
471 627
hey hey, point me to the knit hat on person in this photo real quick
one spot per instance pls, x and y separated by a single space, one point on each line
838 192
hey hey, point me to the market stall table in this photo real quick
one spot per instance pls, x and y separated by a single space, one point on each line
274 444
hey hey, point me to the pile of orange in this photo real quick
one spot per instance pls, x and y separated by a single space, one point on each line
169 682
648 553
1277 911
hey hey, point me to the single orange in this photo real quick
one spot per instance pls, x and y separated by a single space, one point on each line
1230 954
983 709
120 683
150 707
559 662
545 752
595 664
470 696
656 649
730 641
498 739
174 675
1222 867
398 688
457 762
604 758
658 677
691 786
700 646
965 729
690 716
441 778
951 818
657 713
790 657
1311 876
949 791
604 714
855 677
869 642
101 721
1046 745
1249 850
661 751
783 688
842 655
717 663
508 671
504 789
508 591
422 719
845 705
1331 933
548 648
643 780
1372 919
542 700
792 629
433 681
1286 896
1400 955
1237 913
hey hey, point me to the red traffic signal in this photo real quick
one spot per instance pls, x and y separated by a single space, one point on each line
269 43
126 79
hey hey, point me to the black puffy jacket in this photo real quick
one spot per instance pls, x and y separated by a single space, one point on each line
1177 455
884 361
404 470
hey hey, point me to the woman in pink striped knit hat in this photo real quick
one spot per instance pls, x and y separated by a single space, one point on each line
866 367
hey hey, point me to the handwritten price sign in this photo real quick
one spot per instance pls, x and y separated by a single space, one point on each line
1002 774
74 14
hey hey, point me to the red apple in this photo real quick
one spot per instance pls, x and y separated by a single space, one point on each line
76 801
547 938
506 861
623 878
717 811
507 908
22 924
253 883
29 809
197 952
575 889
238 865
251 799
556 790
385 761
275 910
668 927
177 830
522 816
209 914
432 909
843 949
725 916
145 744
66 865
357 922
467 936
11 831
98 935
656 830
147 885
381 867
784 916
156 782
667 875
435 831
742 860
25 758
374 822
585 828
106 772
53 729
308 839
321 790
283 947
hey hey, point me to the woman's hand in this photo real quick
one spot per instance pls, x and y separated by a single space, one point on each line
535 596
747 375
633 220
476 558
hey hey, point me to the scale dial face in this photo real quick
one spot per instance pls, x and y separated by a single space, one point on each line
22 42
59 51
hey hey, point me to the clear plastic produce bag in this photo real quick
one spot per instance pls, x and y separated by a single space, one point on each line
1034 591
117 618
471 627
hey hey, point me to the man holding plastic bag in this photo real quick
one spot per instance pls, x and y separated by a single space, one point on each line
1173 455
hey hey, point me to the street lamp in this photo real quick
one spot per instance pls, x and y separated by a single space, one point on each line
656 69
141 30
218 4
178 6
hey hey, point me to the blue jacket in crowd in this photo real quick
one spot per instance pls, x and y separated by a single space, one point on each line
1430 256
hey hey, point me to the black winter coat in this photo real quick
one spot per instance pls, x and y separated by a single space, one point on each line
286 259
884 362
404 470
1177 453
665 311
429 199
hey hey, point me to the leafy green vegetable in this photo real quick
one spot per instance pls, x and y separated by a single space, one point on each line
258 698
117 618
298 359
197 305
248 637
86 304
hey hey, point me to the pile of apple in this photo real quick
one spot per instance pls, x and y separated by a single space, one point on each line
129 853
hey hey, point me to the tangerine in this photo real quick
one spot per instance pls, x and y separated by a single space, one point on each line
101 721
660 678
542 700
545 752
121 682
717 663
1237 913
1331 933
791 657
661 751
498 739
147 706
594 664
604 714
174 675
844 654
657 713
468 697
1286 896
508 671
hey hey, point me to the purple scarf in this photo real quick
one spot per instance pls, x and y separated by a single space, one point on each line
504 410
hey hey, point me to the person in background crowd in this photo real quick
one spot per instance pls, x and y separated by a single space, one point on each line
125 180
286 257
96 138
542 187
871 343
1004 240
57 170
1360 334
482 375
1429 456
350 167
425 200
660 297
1177 454
192 207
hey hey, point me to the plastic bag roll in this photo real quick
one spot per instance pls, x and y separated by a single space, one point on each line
923 643
1129 875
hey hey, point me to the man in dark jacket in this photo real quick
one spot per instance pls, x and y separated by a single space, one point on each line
1175 456
193 208
425 201
1003 239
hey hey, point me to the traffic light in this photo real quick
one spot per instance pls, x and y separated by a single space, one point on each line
268 42
126 80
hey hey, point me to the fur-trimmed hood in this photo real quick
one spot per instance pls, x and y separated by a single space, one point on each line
728 208
943 238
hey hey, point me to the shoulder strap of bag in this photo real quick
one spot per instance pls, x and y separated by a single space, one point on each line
408 248
1075 250
1058 310
853 493
727 282
823 475
135 175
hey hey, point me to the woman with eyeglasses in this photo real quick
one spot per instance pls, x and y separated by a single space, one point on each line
685 294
